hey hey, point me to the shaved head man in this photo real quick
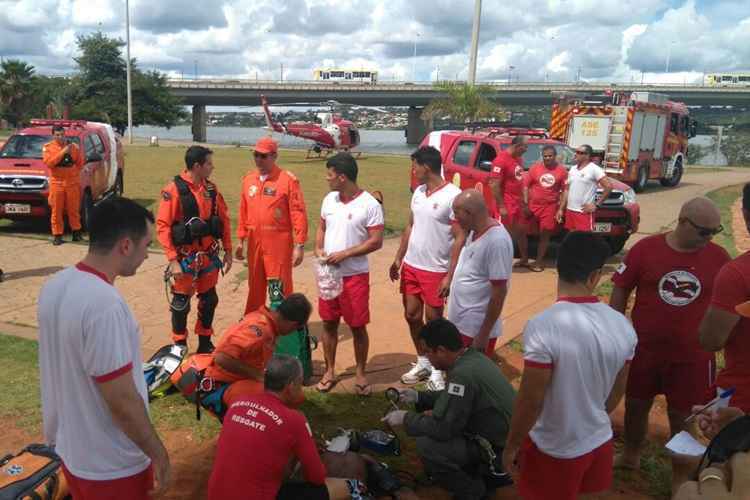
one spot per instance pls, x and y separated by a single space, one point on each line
480 283
673 275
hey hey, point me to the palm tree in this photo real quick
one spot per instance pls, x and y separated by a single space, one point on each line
464 103
16 78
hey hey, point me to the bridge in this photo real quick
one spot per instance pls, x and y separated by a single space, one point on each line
200 93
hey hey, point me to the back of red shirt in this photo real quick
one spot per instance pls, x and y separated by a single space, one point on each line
732 287
259 437
545 184
673 291
510 172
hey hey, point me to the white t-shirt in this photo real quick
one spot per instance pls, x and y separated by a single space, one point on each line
348 225
585 343
484 261
431 239
87 335
582 185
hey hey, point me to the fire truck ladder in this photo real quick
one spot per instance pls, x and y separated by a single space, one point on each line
615 141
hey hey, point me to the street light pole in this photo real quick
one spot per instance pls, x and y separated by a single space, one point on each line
414 60
510 73
127 72
472 76
669 53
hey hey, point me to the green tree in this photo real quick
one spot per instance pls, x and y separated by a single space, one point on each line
463 103
695 154
735 146
101 92
16 81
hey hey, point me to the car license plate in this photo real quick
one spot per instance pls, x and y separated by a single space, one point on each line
602 227
17 208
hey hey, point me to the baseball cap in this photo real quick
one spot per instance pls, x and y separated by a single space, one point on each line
266 145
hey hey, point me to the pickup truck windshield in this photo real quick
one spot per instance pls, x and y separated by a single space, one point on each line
29 146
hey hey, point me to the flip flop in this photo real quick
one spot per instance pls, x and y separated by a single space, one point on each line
326 386
522 264
536 269
363 389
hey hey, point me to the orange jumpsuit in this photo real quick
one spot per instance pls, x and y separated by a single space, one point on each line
272 218
200 256
251 341
64 187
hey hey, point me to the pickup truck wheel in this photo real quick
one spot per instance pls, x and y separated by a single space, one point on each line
617 243
676 175
641 180
119 188
87 205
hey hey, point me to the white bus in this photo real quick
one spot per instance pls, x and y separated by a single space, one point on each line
345 75
728 79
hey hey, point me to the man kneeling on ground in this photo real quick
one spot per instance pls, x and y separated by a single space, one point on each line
469 420
262 438
245 348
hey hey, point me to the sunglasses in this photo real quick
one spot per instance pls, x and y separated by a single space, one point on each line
705 231
262 156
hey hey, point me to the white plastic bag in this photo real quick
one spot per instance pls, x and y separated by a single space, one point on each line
329 279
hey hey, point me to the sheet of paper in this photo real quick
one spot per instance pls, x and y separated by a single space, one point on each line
685 444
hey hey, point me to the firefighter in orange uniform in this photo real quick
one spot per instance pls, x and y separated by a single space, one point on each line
192 226
272 224
65 162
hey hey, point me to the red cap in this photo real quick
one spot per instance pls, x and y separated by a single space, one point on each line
266 145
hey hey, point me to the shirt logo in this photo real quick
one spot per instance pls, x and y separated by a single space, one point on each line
679 288
252 191
14 470
621 268
456 390
255 329
166 196
518 172
269 191
547 180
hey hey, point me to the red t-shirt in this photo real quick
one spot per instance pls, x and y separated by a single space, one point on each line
673 291
259 437
545 184
510 172
732 287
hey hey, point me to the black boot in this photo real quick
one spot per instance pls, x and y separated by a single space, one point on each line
77 236
57 240
205 346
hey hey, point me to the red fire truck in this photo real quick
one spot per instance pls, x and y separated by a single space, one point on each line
637 136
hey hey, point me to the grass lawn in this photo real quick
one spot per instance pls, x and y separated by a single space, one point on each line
724 199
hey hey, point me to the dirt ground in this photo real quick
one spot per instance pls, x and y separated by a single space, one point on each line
33 260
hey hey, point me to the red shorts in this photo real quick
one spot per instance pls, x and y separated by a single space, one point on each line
544 477
353 303
577 221
545 214
684 383
126 488
515 215
489 350
426 284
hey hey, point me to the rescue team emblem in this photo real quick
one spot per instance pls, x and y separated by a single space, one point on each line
258 332
14 470
252 191
547 180
679 288
518 172
269 191
456 390
166 196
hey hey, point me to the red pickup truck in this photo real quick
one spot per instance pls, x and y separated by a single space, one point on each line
467 159
24 178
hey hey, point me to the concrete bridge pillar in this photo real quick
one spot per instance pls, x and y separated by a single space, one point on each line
416 127
199 123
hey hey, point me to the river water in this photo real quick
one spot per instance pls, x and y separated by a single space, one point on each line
373 141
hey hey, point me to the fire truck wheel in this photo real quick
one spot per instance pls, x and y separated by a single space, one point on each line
676 175
641 180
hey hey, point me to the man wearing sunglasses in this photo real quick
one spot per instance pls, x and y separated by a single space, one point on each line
673 275
579 197
272 224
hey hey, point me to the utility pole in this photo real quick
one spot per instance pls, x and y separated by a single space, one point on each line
282 72
127 72
414 60
195 68
474 42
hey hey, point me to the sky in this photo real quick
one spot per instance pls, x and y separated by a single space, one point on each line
553 40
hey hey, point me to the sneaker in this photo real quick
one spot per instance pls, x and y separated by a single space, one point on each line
205 346
57 241
77 236
436 382
417 374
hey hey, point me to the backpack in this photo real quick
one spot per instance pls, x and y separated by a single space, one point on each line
35 473
203 392
160 367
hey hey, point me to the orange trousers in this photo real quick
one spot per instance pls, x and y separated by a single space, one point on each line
268 257
64 199
204 286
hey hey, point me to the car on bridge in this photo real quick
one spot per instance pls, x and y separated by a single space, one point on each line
467 162
25 179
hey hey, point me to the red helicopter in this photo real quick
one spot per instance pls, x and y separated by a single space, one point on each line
333 133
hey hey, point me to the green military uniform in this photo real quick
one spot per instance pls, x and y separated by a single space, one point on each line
477 400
